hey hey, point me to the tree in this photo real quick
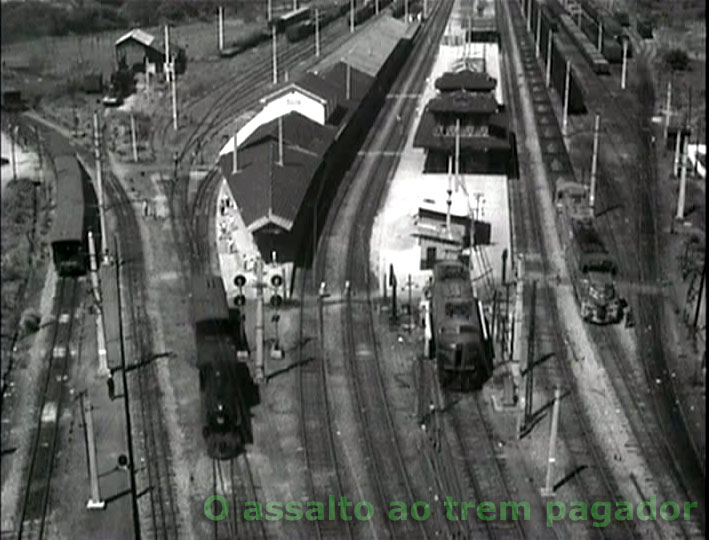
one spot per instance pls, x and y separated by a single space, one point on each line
677 59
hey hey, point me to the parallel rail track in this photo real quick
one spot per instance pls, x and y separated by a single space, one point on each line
233 481
592 474
53 398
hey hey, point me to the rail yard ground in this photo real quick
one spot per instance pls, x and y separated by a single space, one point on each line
387 441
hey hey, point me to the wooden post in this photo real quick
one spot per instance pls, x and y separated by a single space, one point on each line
275 55
600 37
624 72
550 41
682 183
317 32
174 94
352 21
668 107
221 28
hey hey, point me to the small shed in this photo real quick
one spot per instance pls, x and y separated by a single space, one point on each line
137 46
12 99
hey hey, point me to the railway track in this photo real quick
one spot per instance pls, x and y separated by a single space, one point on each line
388 471
161 519
626 123
233 482
34 506
467 428
591 473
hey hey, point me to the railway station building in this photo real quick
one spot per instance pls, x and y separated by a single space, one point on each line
294 151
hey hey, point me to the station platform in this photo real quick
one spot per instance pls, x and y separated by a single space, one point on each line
482 196
238 252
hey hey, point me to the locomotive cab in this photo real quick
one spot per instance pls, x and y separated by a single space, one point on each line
69 258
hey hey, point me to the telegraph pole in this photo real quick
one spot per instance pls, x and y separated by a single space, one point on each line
133 138
600 37
167 53
352 22
94 502
682 183
126 404
678 146
275 55
548 489
100 329
668 107
174 94
269 11
221 28
550 41
235 162
567 83
529 371
594 163
317 32
13 134
539 35
624 72
99 182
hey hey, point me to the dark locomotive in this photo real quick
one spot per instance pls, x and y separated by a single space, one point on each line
461 341
226 428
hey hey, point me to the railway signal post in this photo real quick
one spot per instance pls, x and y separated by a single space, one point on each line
260 361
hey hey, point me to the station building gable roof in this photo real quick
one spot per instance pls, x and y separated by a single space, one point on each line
370 48
138 35
360 83
266 192
462 102
313 86
466 79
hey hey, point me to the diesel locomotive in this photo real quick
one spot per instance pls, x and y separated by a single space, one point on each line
461 341
226 426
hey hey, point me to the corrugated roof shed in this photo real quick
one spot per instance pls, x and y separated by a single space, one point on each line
269 193
369 49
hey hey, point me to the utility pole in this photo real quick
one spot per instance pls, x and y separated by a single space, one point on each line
624 72
682 183
269 11
409 284
99 182
567 83
317 32
94 502
100 329
594 164
678 146
133 138
167 53
548 489
126 403
348 82
174 94
406 11
376 7
600 37
234 161
393 285
259 321
13 134
449 201
550 41
457 154
539 35
275 55
221 28
700 296
668 107
280 141
352 22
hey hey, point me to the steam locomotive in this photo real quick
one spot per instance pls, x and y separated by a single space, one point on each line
226 426
461 340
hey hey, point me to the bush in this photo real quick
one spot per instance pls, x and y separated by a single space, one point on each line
677 59
29 322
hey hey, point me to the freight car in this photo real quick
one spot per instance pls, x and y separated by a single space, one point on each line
462 343
282 22
595 59
247 41
226 427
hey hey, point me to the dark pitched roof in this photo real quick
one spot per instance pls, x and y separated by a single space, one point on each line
466 79
463 102
427 136
360 82
266 192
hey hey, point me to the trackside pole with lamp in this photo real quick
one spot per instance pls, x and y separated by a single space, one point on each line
240 301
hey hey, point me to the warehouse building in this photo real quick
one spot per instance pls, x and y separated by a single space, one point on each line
294 152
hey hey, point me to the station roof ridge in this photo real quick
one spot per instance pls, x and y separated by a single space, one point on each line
311 84
298 131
